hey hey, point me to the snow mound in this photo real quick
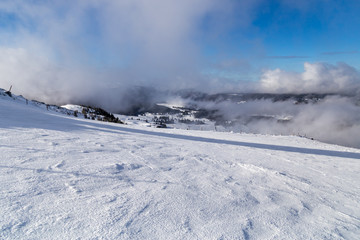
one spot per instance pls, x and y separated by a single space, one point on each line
73 107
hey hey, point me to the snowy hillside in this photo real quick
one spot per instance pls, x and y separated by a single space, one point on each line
64 177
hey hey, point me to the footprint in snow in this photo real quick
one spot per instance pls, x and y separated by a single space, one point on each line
166 169
124 166
60 164
39 170
229 180
57 166
72 187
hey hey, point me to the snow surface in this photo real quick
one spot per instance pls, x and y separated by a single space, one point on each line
73 107
69 178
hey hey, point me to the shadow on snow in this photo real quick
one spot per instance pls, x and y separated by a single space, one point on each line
57 122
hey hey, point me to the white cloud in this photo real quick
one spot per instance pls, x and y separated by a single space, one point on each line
316 78
137 42
154 39
38 78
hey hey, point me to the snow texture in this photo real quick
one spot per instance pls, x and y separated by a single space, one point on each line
69 178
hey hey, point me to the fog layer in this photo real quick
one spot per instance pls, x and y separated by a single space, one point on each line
334 119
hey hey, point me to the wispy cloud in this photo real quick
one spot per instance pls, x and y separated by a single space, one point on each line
340 53
287 57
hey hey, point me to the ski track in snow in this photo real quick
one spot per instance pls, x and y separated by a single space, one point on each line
69 178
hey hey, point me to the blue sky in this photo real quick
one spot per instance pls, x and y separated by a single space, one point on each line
329 26
228 39
286 35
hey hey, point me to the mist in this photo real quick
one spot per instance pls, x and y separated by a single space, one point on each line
334 119
329 109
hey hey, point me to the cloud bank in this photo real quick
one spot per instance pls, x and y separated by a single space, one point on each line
334 119
316 78
106 43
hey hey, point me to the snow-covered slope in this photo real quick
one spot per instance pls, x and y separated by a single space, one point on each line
69 178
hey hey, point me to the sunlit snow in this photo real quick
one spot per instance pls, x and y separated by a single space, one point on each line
69 178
